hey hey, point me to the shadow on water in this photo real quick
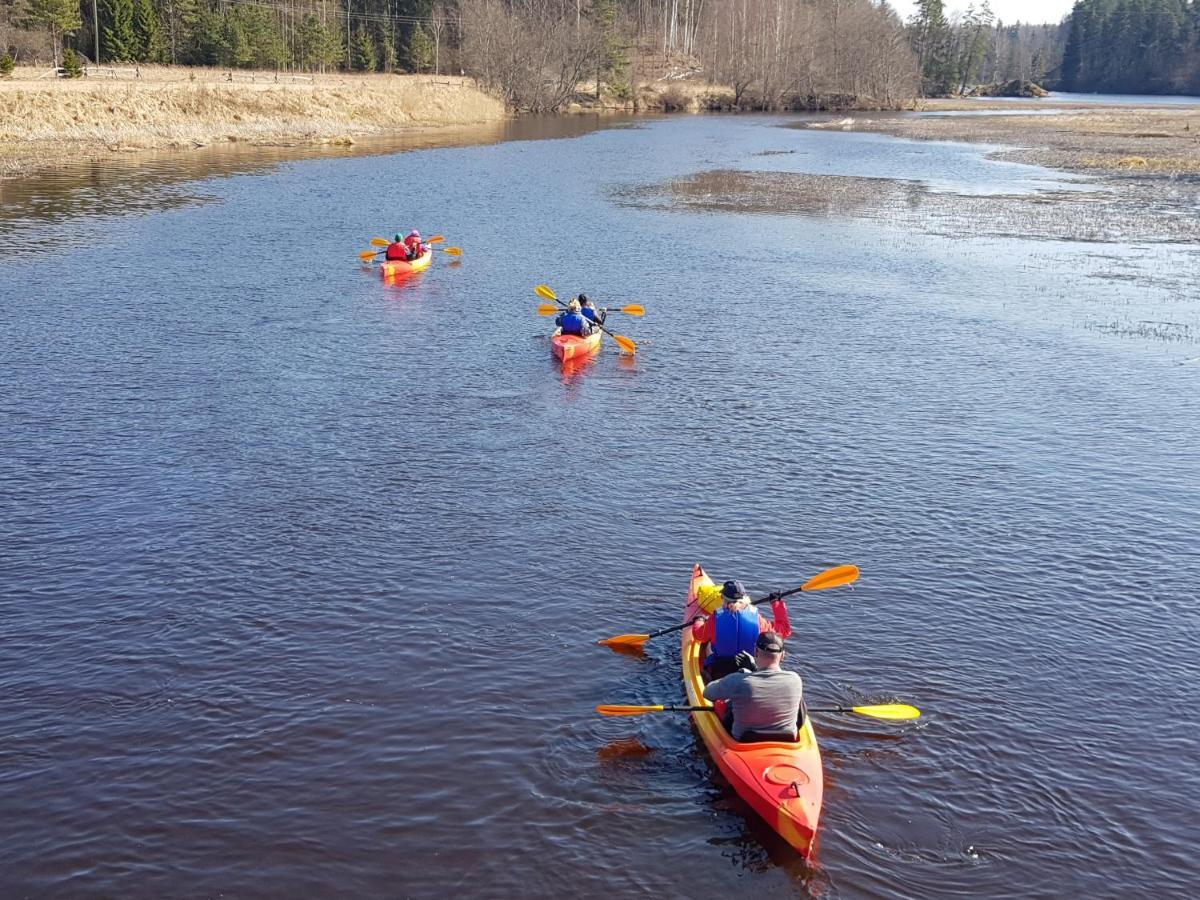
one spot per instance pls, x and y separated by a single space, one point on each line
39 212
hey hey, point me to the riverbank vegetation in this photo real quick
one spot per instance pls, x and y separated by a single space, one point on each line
48 123
538 54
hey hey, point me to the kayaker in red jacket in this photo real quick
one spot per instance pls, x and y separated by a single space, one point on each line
735 627
413 242
396 250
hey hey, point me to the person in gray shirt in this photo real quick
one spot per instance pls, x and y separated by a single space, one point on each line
766 702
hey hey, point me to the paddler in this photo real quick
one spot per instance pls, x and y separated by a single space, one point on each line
573 321
735 627
765 703
413 242
590 311
397 250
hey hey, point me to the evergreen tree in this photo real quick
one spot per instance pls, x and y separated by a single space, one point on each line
364 56
59 17
147 29
420 50
7 64
72 68
118 40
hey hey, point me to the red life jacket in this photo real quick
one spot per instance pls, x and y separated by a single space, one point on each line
396 251
414 246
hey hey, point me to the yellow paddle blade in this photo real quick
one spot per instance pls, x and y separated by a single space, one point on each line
633 309
453 251
543 290
380 242
625 343
889 711
627 710
625 640
835 577
368 255
436 239
547 310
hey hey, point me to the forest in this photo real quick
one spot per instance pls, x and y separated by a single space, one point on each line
769 54
1132 46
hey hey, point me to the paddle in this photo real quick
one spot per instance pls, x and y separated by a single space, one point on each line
895 711
835 577
633 309
623 342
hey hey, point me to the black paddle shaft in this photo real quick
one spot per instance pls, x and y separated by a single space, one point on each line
775 596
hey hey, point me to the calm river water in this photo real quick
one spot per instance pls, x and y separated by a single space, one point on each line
301 574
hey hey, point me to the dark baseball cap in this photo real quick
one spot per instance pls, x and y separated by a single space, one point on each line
769 642
732 590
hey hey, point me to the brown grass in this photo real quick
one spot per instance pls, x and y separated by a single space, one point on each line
46 119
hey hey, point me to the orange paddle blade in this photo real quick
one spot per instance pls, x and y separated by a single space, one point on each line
633 309
625 640
368 255
617 710
835 577
625 343
453 251
548 310
436 239
380 242
543 290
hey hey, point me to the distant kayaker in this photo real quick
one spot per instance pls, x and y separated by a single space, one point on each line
590 311
397 250
735 627
413 242
573 321
765 703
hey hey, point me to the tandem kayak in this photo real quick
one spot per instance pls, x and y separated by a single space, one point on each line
782 781
570 346
395 268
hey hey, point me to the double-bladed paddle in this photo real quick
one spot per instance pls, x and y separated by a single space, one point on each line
896 711
633 309
623 342
835 577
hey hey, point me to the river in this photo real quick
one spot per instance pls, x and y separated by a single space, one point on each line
301 574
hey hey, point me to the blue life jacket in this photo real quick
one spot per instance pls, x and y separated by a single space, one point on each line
573 323
590 313
736 631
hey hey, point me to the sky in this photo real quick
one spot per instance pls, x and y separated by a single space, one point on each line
1008 11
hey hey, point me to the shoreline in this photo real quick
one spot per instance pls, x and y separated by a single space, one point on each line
53 124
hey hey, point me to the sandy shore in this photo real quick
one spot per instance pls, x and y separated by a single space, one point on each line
1108 140
47 123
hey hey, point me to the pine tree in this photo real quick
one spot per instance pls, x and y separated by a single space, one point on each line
364 51
72 68
7 64
420 50
118 40
59 17
148 36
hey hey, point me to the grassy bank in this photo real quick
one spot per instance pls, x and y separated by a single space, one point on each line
50 122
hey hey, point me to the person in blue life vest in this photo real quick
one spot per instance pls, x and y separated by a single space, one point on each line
573 321
731 632
591 311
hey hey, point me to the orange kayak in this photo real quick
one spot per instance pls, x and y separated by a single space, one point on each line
391 269
570 346
784 782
